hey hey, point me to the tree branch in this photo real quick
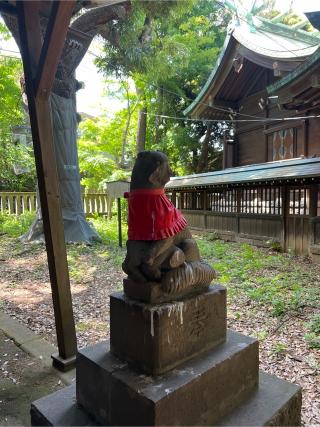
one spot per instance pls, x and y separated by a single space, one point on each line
91 21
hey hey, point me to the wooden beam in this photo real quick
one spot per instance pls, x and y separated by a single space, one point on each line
41 126
227 105
253 82
7 8
53 44
33 29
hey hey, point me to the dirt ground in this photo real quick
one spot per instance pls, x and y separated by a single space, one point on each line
95 273
23 379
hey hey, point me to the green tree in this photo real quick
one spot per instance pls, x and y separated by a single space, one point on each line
90 21
14 156
106 146
169 53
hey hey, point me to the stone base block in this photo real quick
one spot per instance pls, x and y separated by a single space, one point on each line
199 392
157 338
275 403
60 409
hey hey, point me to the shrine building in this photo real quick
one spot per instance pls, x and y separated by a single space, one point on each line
267 80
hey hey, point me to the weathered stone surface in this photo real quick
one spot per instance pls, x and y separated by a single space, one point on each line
199 392
156 338
95 366
152 292
274 403
60 409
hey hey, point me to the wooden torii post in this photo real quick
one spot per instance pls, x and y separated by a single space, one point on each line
40 61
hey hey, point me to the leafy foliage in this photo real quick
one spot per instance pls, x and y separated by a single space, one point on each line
99 149
168 52
15 226
13 155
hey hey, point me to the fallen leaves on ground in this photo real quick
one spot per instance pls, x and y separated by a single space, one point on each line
95 273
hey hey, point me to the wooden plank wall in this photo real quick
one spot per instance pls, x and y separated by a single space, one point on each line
17 203
255 226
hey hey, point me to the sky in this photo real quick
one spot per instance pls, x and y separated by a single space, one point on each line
92 99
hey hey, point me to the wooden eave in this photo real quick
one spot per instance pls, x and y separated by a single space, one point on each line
226 87
300 89
201 105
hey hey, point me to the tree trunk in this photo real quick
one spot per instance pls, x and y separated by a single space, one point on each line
203 159
125 140
63 106
142 130
76 228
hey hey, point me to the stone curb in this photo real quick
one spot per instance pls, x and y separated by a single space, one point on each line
33 344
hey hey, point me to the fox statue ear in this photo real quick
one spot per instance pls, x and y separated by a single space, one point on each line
155 177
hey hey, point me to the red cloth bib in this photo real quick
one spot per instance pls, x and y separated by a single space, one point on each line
152 215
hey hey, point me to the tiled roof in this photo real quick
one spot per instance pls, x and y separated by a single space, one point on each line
272 171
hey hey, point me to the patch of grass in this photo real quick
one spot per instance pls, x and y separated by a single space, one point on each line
108 229
262 335
280 348
271 280
15 225
87 326
313 336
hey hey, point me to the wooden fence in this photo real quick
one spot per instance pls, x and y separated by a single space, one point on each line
18 203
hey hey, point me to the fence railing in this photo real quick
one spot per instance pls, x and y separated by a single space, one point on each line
17 203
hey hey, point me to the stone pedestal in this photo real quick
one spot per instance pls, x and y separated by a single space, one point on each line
171 363
198 392
155 338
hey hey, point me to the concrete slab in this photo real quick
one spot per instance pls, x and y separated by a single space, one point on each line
16 330
155 338
95 366
199 392
40 349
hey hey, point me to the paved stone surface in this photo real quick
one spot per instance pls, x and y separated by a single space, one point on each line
157 338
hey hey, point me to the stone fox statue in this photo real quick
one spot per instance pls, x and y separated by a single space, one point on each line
160 246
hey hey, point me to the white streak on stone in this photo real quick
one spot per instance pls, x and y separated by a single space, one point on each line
151 323
175 308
